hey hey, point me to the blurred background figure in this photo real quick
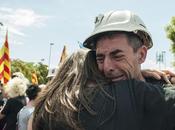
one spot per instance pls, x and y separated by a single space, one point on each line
21 76
15 91
26 112
1 96
52 73
2 102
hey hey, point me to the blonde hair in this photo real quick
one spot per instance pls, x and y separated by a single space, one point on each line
56 106
16 87
21 76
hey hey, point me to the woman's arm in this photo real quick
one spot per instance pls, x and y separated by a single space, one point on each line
29 125
166 75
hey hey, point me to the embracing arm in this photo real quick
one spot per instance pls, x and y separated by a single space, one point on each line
166 75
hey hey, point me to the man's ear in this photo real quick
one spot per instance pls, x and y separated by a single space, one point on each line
142 53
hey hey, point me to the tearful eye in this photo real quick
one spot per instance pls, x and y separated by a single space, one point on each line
118 57
99 60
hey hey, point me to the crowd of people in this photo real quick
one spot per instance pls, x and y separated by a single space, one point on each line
17 102
99 88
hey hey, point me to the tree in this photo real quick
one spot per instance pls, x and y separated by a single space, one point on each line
27 68
42 71
170 30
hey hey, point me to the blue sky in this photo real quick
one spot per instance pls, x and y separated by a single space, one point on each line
34 24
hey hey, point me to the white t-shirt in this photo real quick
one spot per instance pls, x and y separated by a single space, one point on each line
23 117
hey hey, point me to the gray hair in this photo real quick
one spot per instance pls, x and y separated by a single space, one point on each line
134 40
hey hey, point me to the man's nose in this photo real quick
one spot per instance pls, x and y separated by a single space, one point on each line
108 65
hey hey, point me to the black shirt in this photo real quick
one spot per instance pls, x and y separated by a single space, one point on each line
11 110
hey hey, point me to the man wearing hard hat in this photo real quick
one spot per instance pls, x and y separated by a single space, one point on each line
120 40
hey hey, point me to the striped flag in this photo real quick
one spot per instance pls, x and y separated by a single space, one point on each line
34 78
2 63
63 55
5 67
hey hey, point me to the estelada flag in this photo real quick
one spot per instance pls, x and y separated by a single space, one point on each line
5 66
34 78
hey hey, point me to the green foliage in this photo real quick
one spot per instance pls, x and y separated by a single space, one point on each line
170 30
42 71
27 68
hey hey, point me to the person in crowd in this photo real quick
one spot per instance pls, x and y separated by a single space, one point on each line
124 104
15 89
2 102
119 45
1 96
21 76
26 112
59 105
51 73
119 31
29 126
42 86
57 102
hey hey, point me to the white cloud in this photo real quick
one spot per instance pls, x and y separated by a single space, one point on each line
26 18
15 31
19 19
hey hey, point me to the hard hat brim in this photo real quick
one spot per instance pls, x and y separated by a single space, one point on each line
89 41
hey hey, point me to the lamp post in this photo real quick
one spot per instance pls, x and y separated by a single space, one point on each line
164 58
50 52
161 59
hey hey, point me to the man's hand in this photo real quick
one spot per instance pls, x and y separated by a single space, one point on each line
166 75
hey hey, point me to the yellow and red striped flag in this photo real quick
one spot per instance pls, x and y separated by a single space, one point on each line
34 78
63 55
5 66
2 64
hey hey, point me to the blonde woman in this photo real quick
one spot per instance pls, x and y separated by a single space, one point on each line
16 92
56 107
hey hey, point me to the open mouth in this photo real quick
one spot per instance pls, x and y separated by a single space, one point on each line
117 78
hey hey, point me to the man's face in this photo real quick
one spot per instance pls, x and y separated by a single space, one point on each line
116 58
